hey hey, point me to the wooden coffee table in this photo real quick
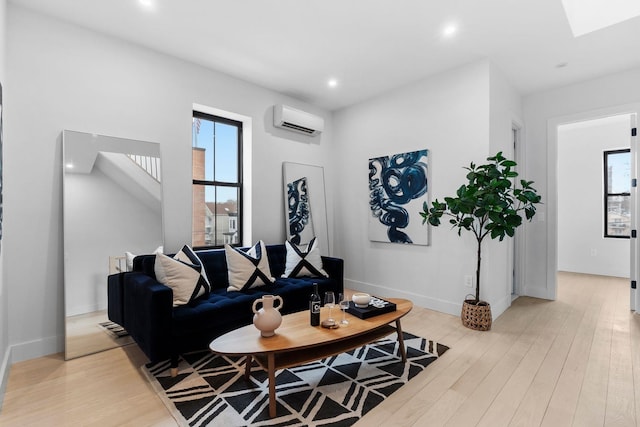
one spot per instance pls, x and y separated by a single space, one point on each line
297 343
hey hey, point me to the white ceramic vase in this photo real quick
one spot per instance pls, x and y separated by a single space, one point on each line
268 318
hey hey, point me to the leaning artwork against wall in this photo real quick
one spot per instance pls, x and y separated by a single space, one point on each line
397 189
300 222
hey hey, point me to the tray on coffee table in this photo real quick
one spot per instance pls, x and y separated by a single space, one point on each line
371 310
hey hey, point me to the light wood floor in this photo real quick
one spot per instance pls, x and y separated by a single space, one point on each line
574 361
85 336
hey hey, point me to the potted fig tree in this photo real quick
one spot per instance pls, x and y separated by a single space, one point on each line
488 205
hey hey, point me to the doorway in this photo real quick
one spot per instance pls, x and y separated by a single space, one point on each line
580 240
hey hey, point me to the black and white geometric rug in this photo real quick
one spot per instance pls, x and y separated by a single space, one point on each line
210 390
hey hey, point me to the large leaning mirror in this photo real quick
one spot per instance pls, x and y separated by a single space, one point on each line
305 204
112 206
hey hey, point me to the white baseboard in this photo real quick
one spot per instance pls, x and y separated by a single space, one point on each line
4 374
419 300
36 348
536 292
499 307
25 351
453 308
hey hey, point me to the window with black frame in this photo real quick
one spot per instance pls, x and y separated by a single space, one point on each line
617 193
217 181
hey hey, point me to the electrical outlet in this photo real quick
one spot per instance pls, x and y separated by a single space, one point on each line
594 252
468 281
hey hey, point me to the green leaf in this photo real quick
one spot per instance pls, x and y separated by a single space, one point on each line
467 222
497 232
530 212
514 220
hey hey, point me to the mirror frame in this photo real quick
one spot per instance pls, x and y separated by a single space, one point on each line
102 214
317 199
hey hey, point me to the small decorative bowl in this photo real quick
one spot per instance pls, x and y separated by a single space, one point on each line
361 300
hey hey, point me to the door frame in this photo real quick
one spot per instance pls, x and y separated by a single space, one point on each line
516 264
552 183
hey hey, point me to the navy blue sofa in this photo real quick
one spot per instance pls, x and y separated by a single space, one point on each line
144 307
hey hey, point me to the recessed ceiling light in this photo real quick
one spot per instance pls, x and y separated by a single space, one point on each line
332 83
449 30
69 165
147 4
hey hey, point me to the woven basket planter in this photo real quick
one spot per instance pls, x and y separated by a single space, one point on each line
477 317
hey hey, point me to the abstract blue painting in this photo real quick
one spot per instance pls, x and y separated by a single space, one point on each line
397 188
300 223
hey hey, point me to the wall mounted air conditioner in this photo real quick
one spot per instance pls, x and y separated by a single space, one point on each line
289 118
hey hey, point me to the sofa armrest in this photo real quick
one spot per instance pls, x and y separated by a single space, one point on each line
149 312
335 269
115 299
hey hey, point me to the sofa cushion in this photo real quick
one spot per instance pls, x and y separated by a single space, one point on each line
188 256
223 310
304 260
181 277
248 269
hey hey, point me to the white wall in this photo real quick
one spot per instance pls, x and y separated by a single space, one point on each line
449 115
65 77
612 93
4 323
505 110
581 245
101 219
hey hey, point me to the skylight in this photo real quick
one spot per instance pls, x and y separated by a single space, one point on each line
586 16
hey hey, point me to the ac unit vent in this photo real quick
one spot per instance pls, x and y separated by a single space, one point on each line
289 118
298 128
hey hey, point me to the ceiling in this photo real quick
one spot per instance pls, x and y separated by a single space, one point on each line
368 46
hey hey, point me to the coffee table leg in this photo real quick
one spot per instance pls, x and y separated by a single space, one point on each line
272 384
403 350
247 367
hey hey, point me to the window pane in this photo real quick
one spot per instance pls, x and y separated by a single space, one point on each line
202 142
226 158
215 223
225 211
199 230
618 216
618 172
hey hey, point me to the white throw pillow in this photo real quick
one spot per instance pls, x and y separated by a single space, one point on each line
188 256
248 269
304 260
130 256
180 277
